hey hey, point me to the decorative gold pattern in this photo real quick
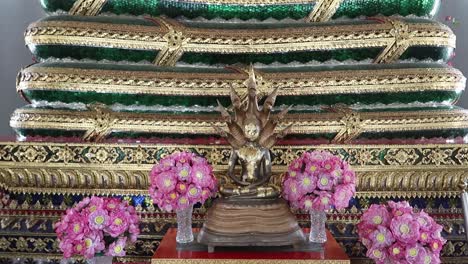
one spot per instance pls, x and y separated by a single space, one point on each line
228 41
107 154
241 2
324 10
161 123
402 34
170 54
103 122
26 246
218 84
381 184
149 240
87 7
353 125
251 2
383 171
246 261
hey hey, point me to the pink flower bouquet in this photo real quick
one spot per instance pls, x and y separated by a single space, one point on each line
97 226
394 233
181 180
319 181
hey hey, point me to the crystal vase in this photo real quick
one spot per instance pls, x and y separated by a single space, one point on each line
184 225
100 260
318 232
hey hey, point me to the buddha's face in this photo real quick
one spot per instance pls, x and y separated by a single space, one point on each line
252 131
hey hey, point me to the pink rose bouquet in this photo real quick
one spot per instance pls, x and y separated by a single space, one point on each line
394 233
181 180
97 226
319 181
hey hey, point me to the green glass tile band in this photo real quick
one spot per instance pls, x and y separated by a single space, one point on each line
400 123
254 9
152 40
112 54
446 97
148 85
79 53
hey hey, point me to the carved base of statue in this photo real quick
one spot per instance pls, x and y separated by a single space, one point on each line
253 222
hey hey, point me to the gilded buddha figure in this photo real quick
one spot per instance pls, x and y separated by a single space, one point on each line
248 195
251 135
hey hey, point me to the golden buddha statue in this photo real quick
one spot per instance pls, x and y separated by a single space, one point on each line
251 135
250 211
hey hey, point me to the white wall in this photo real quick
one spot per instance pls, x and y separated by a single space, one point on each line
15 15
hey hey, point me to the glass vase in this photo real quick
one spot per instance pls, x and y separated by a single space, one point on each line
184 225
318 233
100 260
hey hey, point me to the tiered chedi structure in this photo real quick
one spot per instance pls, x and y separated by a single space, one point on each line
110 95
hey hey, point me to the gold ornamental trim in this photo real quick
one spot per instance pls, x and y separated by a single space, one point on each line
324 10
93 122
402 34
87 7
108 182
246 261
383 171
42 77
251 2
233 2
234 41
59 255
176 40
17 241
34 240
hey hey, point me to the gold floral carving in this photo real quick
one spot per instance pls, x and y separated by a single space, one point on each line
246 261
175 39
87 7
323 10
76 180
27 246
226 41
382 184
218 84
29 243
437 156
410 184
353 125
102 123
402 156
250 2
108 154
21 244
402 36
349 127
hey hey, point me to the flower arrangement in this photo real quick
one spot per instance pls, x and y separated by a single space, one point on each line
97 226
394 233
319 181
181 180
